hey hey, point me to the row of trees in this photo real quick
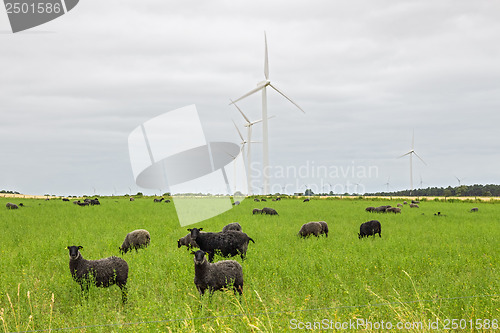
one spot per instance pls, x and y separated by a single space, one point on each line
475 190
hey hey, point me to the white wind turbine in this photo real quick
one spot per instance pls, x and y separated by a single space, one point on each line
248 125
265 131
411 153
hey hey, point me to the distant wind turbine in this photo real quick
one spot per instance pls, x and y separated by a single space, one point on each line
411 153
265 131
387 184
459 180
248 125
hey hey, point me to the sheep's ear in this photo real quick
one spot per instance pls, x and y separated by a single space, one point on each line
192 252
200 229
80 247
190 230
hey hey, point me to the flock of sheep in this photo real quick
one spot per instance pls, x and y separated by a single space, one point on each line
229 242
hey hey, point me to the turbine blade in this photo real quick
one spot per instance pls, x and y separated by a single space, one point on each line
408 153
419 157
248 120
239 133
260 120
253 91
288 98
266 60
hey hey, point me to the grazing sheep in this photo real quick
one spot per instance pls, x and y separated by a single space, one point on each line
263 200
232 226
370 228
187 242
167 201
10 205
382 209
135 240
324 229
412 205
256 200
229 243
313 228
269 211
76 202
158 200
370 209
394 210
225 273
475 209
103 272
94 202
82 204
415 202
400 205
65 199
236 203
132 199
256 211
306 200
405 203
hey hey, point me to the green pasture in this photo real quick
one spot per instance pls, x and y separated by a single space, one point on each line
424 269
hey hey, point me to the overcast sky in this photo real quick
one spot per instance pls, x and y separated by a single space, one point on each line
367 74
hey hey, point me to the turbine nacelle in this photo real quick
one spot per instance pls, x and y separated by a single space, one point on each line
264 83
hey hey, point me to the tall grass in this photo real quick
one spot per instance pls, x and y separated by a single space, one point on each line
424 267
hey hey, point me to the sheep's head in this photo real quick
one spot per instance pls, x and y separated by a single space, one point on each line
199 257
195 232
74 251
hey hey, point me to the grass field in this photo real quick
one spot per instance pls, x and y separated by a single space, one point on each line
424 269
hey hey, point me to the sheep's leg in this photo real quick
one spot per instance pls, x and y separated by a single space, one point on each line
85 289
124 293
238 289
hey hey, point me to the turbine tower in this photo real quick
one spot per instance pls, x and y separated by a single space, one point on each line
265 131
248 125
411 153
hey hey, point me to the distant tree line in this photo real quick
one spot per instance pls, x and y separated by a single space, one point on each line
10 192
475 190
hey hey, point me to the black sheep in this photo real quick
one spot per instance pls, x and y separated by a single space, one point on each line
216 276
229 243
269 211
102 273
370 228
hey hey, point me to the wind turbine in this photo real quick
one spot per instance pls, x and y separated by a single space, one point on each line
459 181
411 153
265 130
248 125
388 183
